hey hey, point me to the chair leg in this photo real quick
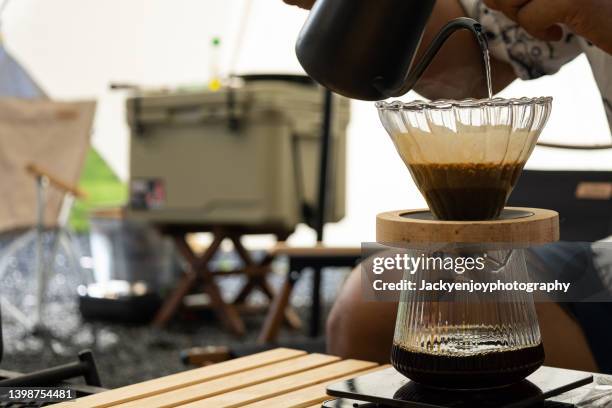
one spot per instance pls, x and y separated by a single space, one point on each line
252 281
175 300
276 312
291 316
260 282
245 291
40 278
40 263
225 312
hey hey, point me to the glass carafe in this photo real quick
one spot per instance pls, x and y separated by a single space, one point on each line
467 340
465 156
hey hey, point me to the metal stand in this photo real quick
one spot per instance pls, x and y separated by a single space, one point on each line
63 238
326 130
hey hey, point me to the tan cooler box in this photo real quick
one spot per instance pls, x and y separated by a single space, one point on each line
249 156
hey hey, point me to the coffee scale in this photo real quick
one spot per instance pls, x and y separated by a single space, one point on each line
465 350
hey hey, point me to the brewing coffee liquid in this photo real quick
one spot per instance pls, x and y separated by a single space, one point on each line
471 370
466 173
468 344
466 191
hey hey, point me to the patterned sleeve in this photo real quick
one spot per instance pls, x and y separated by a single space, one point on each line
531 58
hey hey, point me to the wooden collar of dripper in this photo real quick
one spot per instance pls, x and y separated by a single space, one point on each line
515 225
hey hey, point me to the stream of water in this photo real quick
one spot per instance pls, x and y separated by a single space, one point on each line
486 60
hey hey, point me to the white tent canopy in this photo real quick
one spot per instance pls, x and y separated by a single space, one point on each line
15 81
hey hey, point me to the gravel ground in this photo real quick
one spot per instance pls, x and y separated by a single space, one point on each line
125 354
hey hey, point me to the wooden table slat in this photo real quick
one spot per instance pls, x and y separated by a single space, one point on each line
305 397
227 384
283 385
282 248
182 379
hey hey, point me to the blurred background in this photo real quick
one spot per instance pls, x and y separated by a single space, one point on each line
74 50
161 43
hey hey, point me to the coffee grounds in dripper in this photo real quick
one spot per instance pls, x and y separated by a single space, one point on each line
466 191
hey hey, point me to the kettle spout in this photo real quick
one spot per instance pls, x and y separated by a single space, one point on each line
461 23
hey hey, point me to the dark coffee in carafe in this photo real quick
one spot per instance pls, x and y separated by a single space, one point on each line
467 371
466 191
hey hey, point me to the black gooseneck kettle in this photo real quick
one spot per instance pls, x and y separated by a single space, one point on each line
364 49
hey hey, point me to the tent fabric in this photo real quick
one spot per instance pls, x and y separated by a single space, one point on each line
15 81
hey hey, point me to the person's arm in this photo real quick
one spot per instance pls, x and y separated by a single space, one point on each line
457 70
590 19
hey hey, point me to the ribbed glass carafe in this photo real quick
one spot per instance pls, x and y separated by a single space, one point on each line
466 339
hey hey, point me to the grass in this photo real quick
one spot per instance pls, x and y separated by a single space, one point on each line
103 189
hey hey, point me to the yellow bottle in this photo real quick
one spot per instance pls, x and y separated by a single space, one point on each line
214 84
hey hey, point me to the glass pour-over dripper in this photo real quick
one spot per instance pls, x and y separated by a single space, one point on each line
465 156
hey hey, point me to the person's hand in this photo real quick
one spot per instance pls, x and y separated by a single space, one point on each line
305 4
541 18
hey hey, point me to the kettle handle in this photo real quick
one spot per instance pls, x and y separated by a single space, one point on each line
414 74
